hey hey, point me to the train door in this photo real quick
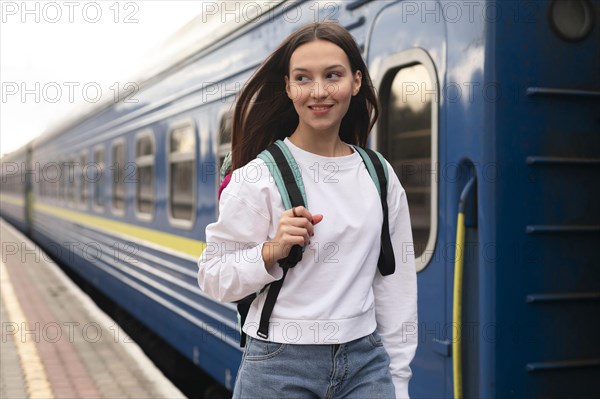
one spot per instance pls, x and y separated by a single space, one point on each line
406 58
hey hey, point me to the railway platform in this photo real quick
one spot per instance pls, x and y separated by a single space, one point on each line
56 343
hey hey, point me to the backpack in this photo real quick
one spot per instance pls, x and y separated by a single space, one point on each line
288 178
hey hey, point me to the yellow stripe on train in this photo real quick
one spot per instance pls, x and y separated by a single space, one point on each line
12 199
170 241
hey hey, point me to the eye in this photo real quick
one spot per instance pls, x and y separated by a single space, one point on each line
302 78
334 75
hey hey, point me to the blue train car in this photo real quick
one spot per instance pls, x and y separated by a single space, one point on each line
487 107
15 188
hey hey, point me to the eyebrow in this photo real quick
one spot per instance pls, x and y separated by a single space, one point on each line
328 68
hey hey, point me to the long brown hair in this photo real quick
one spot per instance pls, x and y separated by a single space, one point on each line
264 112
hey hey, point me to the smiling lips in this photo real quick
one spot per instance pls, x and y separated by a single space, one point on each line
320 108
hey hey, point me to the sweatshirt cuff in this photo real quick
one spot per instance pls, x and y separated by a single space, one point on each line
272 274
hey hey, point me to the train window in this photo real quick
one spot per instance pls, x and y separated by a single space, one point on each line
70 176
45 184
409 140
51 174
49 182
62 180
98 178
118 176
223 145
83 187
55 176
36 184
181 160
224 137
144 170
42 187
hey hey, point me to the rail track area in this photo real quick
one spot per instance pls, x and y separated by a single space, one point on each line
56 342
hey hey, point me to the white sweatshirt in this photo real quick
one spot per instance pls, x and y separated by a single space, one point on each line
335 294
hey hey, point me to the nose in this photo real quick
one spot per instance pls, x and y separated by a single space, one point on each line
320 89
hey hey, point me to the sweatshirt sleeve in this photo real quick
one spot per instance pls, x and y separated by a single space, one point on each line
396 294
231 266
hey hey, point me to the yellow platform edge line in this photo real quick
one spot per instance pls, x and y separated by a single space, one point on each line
173 242
34 372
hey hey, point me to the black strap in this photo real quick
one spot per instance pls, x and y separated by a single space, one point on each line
243 307
295 254
386 262
274 288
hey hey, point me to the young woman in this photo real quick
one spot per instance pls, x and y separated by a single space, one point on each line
339 329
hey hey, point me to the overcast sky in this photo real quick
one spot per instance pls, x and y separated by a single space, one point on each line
55 56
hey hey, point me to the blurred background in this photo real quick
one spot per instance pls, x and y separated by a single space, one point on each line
489 117
62 48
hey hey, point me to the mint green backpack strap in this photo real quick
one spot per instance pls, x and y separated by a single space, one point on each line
267 157
371 167
288 178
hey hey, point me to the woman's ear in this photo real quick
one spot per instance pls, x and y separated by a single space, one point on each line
288 91
357 82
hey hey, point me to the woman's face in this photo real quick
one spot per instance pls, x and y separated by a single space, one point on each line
321 84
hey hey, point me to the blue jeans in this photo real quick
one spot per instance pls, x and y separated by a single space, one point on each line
356 369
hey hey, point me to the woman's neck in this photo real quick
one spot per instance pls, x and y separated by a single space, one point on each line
320 143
